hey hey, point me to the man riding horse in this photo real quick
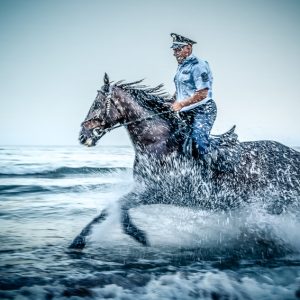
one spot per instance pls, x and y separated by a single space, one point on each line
266 173
193 97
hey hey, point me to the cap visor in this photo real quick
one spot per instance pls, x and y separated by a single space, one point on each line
178 45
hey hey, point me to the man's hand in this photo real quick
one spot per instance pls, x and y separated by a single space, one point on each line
177 106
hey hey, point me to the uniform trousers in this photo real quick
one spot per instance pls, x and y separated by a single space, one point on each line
200 119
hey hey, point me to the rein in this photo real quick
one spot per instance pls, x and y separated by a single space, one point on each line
97 131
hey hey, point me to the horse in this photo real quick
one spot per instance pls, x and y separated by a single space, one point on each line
238 173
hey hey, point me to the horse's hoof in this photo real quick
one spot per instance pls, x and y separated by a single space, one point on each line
78 243
143 240
140 237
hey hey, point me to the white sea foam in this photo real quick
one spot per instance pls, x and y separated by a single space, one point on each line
182 227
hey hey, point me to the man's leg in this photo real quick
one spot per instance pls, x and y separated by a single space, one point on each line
185 141
203 121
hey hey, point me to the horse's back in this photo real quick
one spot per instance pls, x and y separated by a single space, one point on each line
272 151
273 163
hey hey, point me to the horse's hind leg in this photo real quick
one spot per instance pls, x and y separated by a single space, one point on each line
80 241
130 201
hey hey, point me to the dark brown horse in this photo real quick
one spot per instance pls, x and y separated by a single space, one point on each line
236 174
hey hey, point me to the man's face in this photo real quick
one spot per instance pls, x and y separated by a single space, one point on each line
182 53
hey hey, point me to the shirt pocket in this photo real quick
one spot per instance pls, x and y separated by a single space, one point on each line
185 78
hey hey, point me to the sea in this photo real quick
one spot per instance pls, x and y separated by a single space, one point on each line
49 194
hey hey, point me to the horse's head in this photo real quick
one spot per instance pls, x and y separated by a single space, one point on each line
102 115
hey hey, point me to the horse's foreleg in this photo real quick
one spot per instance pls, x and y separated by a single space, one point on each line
80 241
130 229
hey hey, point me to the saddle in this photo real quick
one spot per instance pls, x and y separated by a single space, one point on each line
224 152
227 139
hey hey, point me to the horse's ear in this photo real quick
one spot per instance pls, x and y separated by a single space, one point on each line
106 79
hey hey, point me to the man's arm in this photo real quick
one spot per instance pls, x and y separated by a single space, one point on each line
197 97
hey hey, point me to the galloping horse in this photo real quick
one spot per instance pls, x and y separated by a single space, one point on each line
256 168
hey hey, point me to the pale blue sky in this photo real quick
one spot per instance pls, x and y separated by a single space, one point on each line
54 53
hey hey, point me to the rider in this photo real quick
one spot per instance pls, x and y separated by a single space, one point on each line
193 96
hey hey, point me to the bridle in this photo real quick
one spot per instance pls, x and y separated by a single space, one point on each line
98 132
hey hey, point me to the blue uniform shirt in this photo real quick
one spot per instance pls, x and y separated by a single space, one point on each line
193 75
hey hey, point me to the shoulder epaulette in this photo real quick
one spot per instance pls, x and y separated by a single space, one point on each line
194 61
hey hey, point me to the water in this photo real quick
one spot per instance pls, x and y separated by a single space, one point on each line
48 194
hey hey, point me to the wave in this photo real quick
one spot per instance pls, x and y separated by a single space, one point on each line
177 283
65 171
14 190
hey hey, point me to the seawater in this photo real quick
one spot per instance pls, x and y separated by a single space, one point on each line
48 194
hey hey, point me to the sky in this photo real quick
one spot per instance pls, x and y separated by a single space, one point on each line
54 53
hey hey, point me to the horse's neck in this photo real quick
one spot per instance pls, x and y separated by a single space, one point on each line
132 110
147 133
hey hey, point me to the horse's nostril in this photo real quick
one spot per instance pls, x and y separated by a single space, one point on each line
82 138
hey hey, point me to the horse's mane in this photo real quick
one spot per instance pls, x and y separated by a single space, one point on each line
150 98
